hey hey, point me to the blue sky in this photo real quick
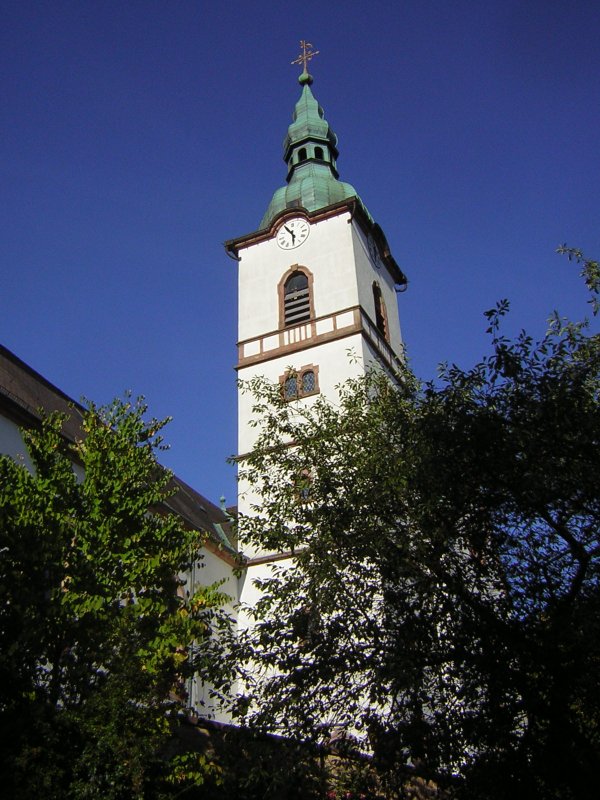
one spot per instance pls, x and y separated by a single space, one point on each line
138 136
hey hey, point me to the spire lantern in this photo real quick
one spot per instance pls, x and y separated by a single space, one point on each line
310 152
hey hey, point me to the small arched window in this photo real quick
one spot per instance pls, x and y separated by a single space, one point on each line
303 485
296 384
296 299
302 155
319 153
380 313
308 381
290 387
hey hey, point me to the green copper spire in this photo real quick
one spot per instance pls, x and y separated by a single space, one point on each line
310 152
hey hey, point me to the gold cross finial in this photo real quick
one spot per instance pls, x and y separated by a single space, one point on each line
306 55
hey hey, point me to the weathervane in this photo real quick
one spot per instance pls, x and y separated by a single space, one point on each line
305 56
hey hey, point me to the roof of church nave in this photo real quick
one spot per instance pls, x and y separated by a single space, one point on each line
23 392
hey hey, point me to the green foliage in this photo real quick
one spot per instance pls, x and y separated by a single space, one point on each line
95 634
257 767
442 606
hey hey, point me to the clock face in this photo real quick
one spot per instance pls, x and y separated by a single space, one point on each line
372 248
292 233
374 252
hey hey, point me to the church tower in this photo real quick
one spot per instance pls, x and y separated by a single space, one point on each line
317 280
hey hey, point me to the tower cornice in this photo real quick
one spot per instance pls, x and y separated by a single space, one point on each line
358 213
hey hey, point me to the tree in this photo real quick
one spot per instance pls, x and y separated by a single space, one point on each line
96 639
442 607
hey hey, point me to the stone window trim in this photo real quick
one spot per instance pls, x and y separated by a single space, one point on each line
281 292
301 376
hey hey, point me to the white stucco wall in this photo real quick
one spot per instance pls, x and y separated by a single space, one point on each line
366 274
211 569
327 253
336 253
12 444
337 360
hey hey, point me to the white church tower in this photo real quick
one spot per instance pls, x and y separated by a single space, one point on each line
317 282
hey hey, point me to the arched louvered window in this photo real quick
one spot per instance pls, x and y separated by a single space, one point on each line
296 299
380 312
302 155
319 152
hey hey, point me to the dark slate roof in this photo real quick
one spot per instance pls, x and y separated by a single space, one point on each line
24 393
